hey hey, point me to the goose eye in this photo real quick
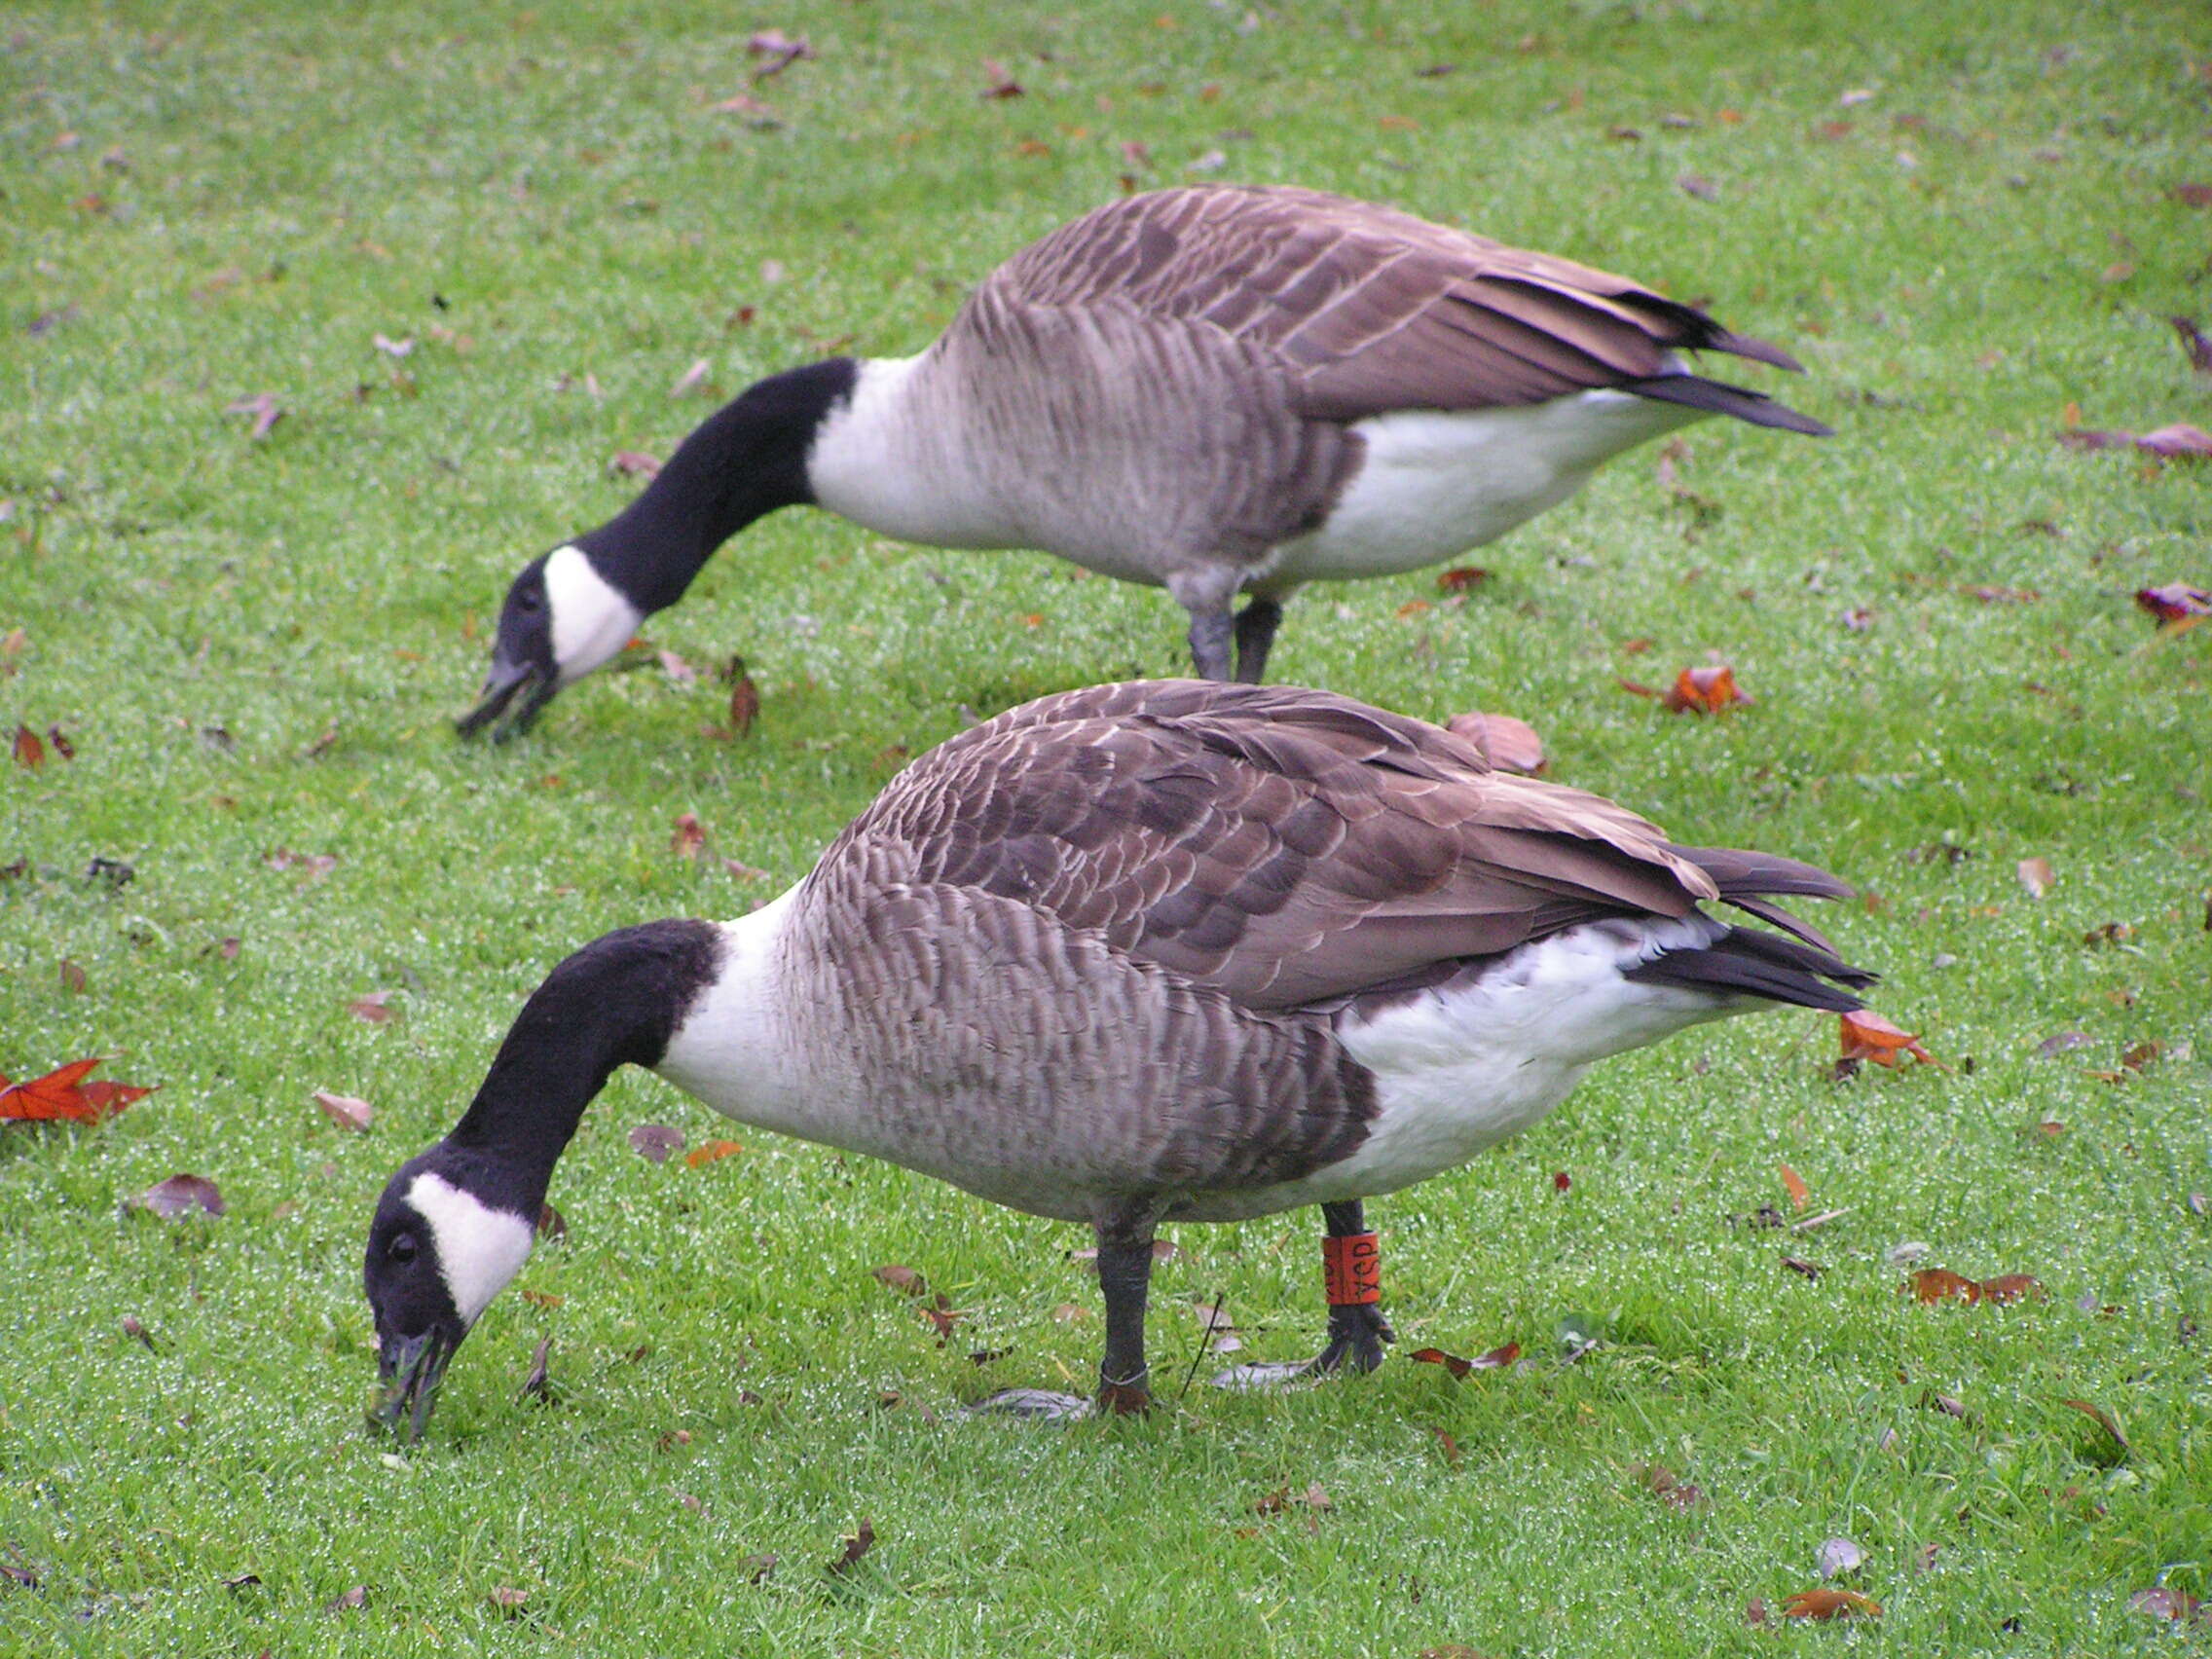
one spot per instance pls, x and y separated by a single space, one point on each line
401 1248
528 599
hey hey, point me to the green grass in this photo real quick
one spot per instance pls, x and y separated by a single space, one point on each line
1992 238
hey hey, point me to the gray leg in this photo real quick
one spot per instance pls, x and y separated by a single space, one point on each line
1125 1276
1357 1329
1210 633
1255 633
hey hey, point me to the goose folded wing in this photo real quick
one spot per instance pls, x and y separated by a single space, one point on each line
1281 845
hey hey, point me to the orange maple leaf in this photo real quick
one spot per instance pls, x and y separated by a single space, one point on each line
1869 1036
63 1094
1704 690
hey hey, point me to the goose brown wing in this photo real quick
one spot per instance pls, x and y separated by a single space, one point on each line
1281 845
1369 310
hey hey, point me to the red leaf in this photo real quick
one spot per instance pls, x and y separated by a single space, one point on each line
858 1545
1794 1183
690 839
1708 691
708 1152
1940 1284
182 1194
1868 1036
29 751
1497 1359
2010 1287
1451 1362
1460 578
1831 1605
2176 602
62 1095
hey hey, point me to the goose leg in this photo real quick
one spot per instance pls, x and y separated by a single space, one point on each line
1211 631
1125 1276
1255 633
1351 1264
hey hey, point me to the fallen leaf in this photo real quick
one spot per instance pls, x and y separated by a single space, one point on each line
902 1278
2036 877
1448 1446
347 1111
757 1567
1460 578
2060 1044
353 1601
394 349
1838 1556
2102 1418
72 977
2164 1601
2176 602
1857 95
1831 1605
1868 1036
538 1383
656 1142
744 700
633 464
29 751
690 839
1794 1184
858 1545
543 1299
1002 85
317 864
263 407
1676 1493
2195 344
777 52
1940 1284
2176 441
62 1095
1508 744
374 1009
1708 690
709 1151
1808 1269
688 381
182 1194
1219 1330
1562 1181
1699 186
679 672
137 1333
552 1226
508 1599
2012 1287
1495 1360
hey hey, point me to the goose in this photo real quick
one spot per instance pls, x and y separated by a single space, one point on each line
1217 389
1170 951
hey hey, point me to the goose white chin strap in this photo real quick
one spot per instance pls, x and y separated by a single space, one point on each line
479 1248
591 620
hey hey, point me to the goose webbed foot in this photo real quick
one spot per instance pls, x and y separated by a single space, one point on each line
1358 1333
1351 1264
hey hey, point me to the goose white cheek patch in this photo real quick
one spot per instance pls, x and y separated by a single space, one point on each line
479 1248
591 620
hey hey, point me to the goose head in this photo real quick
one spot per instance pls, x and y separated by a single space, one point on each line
561 619
450 1233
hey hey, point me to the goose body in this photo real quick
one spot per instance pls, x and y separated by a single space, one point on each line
1169 950
1220 390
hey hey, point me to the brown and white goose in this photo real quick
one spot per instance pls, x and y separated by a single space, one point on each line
1216 390
1163 951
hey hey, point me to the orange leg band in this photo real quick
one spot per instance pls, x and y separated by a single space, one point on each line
1351 1270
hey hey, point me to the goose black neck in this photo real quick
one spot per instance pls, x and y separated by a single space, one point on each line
745 461
614 1003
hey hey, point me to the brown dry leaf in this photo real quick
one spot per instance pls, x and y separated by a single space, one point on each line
902 1278
347 1111
1868 1036
858 1545
2193 342
1448 1446
656 1143
1940 1284
1831 1605
688 381
942 1320
508 1599
1461 577
689 841
744 702
2102 1418
1219 1329
757 1567
539 1384
2176 605
679 672
552 1226
73 976
710 1151
2193 195
1707 690
2164 1601
316 865
2141 1056
541 1298
2176 442
1067 1313
373 1009
29 751
2036 877
1002 84
1794 1184
1807 1269
1508 744
1698 186
61 744
1678 1495
182 1194
263 407
351 1601
1413 607
633 464
776 49
2012 1287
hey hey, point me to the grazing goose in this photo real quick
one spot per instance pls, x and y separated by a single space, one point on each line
1171 951
1217 390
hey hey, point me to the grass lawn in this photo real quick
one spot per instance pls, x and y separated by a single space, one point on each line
1963 219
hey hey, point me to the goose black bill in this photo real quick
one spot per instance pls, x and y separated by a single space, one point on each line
409 1370
514 690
